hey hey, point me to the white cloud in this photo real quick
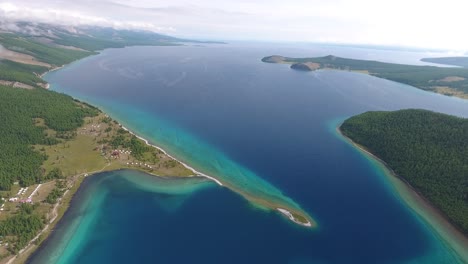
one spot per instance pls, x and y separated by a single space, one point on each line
13 12
428 23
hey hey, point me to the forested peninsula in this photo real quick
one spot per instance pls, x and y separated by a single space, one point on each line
428 150
443 80
455 61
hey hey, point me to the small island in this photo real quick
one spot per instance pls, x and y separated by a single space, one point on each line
427 150
447 81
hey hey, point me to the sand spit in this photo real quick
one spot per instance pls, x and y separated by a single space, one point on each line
292 218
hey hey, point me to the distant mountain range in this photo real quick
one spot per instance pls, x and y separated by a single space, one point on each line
89 38
28 50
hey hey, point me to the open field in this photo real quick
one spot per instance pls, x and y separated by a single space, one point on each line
20 57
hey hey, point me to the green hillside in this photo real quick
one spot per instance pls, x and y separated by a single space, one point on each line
19 72
42 52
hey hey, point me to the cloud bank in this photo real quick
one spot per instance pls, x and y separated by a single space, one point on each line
434 24
11 12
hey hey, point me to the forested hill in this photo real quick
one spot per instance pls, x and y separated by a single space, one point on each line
429 150
57 45
443 80
43 52
39 40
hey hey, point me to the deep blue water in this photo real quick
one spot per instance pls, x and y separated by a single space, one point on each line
224 112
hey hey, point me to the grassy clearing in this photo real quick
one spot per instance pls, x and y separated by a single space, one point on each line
74 156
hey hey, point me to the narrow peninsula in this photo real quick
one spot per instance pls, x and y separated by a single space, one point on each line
442 80
50 142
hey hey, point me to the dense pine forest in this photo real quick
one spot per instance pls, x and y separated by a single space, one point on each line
25 117
19 229
429 150
19 72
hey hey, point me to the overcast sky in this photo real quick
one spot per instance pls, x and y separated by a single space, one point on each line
419 23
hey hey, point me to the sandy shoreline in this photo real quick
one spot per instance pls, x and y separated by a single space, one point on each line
46 85
442 226
197 173
291 217
51 70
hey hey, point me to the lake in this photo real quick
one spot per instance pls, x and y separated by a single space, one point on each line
263 127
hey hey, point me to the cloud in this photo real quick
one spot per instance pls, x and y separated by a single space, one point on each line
10 12
418 23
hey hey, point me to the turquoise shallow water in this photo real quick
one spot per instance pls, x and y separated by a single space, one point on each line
261 126
95 199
